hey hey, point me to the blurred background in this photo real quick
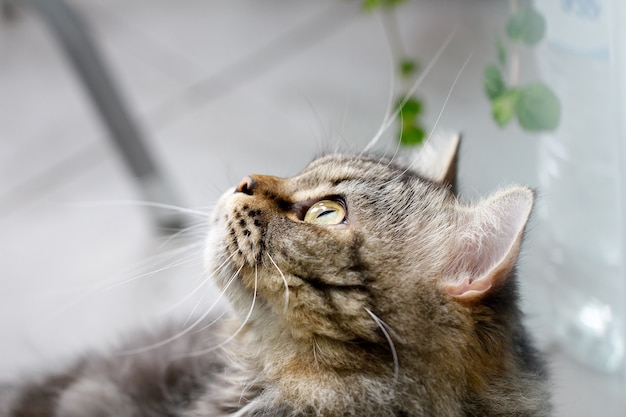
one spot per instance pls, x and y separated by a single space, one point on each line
216 90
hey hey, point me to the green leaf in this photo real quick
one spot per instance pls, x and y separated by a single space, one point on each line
408 67
538 108
501 51
393 2
412 135
526 26
494 85
369 5
410 109
504 106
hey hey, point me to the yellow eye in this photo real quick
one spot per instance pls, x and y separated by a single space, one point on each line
325 212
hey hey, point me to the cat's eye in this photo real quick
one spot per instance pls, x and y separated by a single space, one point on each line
326 212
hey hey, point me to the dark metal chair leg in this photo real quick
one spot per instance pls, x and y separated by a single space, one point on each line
8 9
79 45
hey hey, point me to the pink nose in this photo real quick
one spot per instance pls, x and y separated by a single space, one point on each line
246 185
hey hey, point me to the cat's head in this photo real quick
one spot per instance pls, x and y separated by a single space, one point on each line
356 249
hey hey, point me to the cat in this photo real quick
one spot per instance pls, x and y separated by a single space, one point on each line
362 286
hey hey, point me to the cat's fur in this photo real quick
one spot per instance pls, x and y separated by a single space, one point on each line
407 308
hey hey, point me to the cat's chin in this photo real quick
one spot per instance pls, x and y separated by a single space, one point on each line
215 261
218 261
211 255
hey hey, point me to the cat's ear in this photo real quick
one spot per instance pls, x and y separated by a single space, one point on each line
437 159
488 243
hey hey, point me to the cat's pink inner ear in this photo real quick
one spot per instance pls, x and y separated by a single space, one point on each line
487 244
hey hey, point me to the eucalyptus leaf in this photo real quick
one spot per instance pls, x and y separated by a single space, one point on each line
408 67
504 106
494 84
538 108
370 5
412 135
411 108
527 26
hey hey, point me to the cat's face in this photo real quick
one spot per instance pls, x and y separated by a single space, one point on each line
352 238
325 245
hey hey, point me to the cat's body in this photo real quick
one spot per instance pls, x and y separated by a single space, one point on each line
359 288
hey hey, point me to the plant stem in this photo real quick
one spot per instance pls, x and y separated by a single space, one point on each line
514 63
514 66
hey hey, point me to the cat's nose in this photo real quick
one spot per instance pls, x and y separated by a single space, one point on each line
246 185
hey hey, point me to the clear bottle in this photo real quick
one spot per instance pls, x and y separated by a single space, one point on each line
582 184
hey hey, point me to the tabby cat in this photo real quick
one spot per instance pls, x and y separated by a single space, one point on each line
360 287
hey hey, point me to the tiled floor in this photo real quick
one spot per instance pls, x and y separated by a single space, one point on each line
221 89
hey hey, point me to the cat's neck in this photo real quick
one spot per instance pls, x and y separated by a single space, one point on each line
333 375
271 371
328 374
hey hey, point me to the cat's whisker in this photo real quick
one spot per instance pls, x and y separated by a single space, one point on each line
202 297
390 99
340 142
184 299
397 147
322 134
160 251
187 259
450 90
284 281
198 287
79 293
440 114
186 329
200 300
106 284
52 315
383 327
384 159
212 322
223 264
240 328
84 293
192 251
187 231
141 203
389 121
